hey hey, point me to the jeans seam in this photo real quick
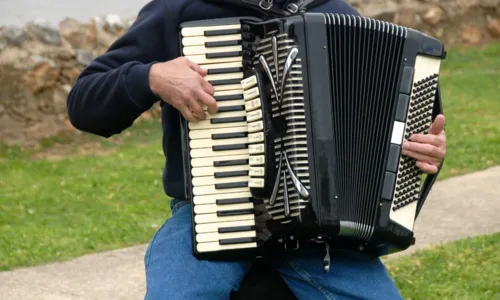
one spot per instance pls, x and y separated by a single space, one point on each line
308 279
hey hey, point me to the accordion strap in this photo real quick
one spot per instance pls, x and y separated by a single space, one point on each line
431 178
266 7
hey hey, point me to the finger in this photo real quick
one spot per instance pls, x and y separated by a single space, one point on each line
188 115
207 87
438 125
209 101
196 108
436 140
425 149
426 168
421 157
195 67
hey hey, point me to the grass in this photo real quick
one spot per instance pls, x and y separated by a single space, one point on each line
468 269
74 195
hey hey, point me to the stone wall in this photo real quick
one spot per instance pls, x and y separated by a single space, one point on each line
39 63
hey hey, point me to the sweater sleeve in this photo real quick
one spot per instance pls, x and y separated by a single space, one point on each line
113 90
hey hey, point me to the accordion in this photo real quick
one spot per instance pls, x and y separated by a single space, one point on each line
305 148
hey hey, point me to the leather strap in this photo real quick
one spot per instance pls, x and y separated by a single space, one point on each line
431 178
267 8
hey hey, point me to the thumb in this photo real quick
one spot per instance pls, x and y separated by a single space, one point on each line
438 125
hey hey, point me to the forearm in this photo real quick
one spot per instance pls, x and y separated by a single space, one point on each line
114 90
107 102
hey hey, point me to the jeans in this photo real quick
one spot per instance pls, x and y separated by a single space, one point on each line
172 272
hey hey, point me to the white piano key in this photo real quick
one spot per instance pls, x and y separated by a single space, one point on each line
201 40
207 152
238 91
194 50
206 124
212 218
207 133
214 208
211 170
211 180
226 87
215 236
211 199
205 143
200 31
202 59
214 246
214 227
211 190
209 161
223 76
226 103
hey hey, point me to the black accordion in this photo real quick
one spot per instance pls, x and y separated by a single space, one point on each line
305 148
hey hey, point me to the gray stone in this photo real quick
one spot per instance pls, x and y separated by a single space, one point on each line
13 36
84 57
44 32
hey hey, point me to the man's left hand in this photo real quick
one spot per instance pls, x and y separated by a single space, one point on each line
428 149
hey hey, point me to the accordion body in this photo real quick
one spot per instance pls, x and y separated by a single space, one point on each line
306 146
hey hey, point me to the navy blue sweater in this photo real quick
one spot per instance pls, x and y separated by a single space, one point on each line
114 89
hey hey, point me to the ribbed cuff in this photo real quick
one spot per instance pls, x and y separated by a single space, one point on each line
137 84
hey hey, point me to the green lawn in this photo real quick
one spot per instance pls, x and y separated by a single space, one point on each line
468 269
60 200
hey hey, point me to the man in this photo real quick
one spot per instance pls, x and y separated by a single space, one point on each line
142 68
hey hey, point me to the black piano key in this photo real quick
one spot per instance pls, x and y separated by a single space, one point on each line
229 147
224 70
236 229
228 120
237 241
229 97
221 32
230 135
225 81
223 54
231 108
233 201
223 43
231 174
235 212
231 185
228 163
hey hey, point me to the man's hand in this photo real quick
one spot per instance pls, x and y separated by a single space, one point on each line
428 149
180 83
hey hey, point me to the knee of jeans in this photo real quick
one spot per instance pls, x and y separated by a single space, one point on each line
176 204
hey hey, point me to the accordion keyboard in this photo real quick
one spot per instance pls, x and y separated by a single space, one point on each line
219 145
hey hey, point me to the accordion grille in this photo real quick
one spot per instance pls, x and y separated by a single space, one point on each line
294 141
365 63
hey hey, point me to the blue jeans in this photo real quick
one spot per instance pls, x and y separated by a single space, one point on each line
172 272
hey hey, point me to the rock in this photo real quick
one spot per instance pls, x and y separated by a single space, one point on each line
114 24
493 26
433 15
43 75
13 36
78 35
84 57
43 32
405 18
471 35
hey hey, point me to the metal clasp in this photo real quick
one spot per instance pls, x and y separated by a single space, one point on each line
292 7
266 4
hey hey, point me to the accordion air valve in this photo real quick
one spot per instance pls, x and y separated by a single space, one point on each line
306 145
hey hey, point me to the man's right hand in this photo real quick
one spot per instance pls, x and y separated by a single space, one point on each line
180 83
